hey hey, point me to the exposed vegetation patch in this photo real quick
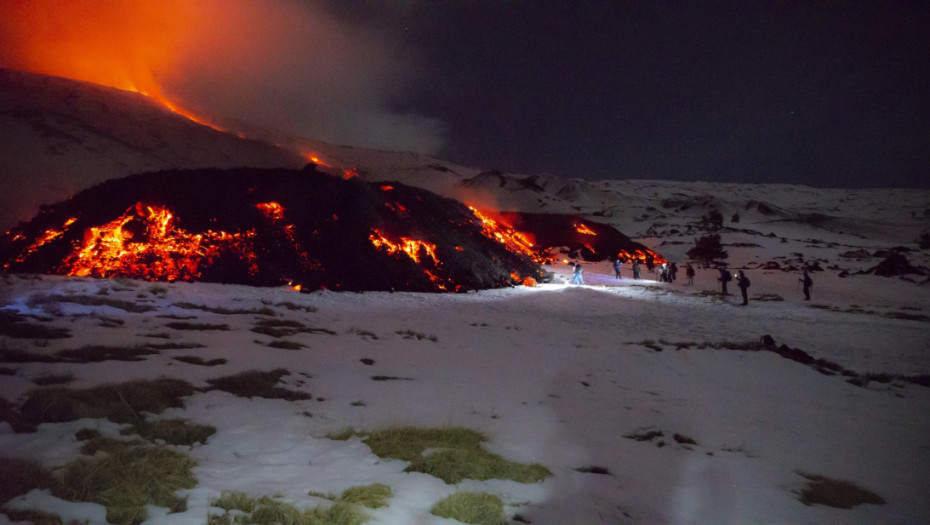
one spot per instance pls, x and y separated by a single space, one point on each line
41 300
171 431
194 360
225 311
16 326
419 336
593 470
97 353
372 496
18 476
821 490
255 383
283 327
391 378
364 334
129 478
181 325
265 510
53 379
118 402
20 356
286 345
767 297
300 307
857 309
647 435
173 346
479 508
454 454
661 344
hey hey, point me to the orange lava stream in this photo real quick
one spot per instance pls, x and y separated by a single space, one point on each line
641 256
145 243
581 228
513 240
410 247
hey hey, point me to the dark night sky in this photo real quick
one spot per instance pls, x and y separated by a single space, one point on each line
825 94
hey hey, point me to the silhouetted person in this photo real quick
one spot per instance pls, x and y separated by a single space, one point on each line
724 279
689 271
807 282
636 269
743 282
673 272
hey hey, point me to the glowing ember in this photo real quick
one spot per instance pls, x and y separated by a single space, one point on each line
410 247
516 242
145 243
272 210
386 187
581 228
349 173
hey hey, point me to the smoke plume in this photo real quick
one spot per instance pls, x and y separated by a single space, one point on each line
286 65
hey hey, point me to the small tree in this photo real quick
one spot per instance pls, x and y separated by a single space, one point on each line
707 249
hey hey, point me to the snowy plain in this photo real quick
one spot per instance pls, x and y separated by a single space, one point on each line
556 375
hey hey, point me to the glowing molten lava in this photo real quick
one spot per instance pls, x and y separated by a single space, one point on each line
272 210
49 236
513 240
145 243
641 256
581 228
410 247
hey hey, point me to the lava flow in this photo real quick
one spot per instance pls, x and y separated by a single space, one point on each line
145 243
513 240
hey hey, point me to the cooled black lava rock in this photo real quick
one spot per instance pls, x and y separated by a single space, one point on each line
325 234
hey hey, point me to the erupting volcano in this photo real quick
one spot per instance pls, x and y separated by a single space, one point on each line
271 227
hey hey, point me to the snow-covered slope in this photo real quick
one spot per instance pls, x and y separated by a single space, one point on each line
634 394
58 136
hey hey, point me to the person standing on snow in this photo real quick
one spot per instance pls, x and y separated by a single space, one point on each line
636 269
743 282
577 277
673 272
724 279
808 282
617 265
689 271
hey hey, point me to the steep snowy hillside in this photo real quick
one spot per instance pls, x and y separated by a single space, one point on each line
58 136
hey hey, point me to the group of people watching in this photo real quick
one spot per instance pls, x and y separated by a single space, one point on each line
669 273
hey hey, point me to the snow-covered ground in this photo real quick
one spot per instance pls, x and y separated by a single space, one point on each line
556 375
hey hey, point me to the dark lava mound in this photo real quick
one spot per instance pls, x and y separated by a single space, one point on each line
270 227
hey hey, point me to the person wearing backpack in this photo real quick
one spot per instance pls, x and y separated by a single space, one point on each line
743 282
724 279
